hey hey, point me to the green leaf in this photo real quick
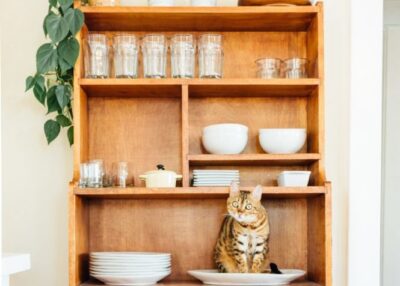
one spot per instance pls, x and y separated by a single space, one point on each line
74 18
53 3
51 130
46 59
29 83
64 66
39 93
70 134
57 27
63 120
68 49
66 2
52 102
63 95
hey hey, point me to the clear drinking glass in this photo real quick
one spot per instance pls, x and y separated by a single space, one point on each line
268 68
296 68
96 173
183 50
211 56
122 174
104 2
125 56
84 175
96 56
154 51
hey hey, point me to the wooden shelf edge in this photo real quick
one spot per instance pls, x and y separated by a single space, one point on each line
200 82
194 192
199 10
254 159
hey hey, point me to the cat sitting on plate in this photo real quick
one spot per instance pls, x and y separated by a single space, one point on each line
242 246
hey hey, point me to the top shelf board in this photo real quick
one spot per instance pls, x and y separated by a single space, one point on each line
266 18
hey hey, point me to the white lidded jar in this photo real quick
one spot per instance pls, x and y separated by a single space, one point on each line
160 178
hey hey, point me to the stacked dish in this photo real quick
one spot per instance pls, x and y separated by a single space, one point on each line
130 268
215 178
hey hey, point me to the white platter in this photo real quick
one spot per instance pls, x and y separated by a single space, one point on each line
215 171
134 280
211 184
212 277
129 264
130 254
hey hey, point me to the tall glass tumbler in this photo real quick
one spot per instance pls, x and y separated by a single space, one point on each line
183 51
97 57
125 56
211 56
154 51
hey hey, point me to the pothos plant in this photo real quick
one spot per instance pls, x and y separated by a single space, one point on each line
52 83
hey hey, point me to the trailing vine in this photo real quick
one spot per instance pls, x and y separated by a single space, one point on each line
52 83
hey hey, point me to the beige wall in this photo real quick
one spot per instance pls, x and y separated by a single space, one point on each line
35 176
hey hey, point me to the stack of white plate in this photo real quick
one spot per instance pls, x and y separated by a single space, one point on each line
215 178
129 268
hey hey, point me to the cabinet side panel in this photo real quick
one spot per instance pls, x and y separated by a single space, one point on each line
78 240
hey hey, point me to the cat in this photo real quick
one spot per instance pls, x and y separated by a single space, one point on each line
242 246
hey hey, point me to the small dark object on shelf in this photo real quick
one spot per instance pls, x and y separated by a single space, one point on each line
274 268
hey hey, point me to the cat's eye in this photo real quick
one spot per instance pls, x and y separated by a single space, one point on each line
235 204
248 207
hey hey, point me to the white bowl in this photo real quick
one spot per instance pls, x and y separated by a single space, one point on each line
225 138
294 178
282 141
199 3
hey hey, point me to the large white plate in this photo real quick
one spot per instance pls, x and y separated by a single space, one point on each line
127 273
130 254
212 277
211 172
130 269
128 259
211 185
134 280
128 263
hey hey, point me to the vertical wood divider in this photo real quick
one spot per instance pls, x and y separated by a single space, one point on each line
328 234
80 111
185 136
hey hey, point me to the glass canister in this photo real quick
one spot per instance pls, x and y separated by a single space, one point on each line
211 56
104 2
296 68
154 51
97 56
183 50
125 56
268 68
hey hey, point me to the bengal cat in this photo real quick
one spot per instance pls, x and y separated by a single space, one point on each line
242 245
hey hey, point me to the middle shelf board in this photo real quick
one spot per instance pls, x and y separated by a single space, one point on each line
193 192
199 87
254 159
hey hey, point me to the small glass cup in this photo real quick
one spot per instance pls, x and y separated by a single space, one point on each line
125 56
96 174
183 50
296 68
211 56
84 175
97 56
268 68
104 2
154 51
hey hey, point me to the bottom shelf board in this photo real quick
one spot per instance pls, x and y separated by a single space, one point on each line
193 192
192 283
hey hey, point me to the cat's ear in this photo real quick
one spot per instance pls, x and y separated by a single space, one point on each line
234 189
257 193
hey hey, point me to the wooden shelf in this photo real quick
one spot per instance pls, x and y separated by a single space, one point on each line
295 18
192 192
253 159
199 87
193 283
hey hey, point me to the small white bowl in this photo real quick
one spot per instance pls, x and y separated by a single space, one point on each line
282 141
294 178
224 139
